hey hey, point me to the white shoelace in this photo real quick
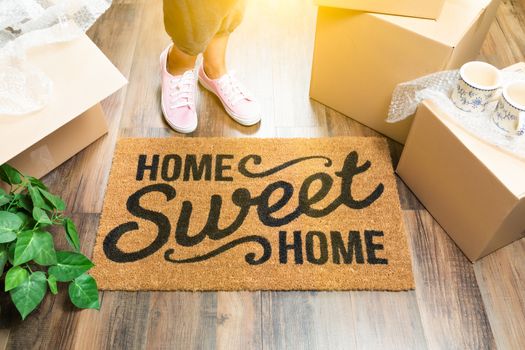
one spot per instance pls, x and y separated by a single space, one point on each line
182 90
232 88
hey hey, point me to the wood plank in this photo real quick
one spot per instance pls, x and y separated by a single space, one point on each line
142 109
388 321
341 320
121 323
448 296
501 277
288 320
182 320
4 337
504 45
239 320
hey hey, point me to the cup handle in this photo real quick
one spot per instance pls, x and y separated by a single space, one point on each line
521 122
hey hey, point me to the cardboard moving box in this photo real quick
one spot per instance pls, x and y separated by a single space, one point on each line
359 58
82 76
474 190
412 8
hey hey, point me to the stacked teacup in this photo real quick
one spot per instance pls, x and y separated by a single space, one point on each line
479 85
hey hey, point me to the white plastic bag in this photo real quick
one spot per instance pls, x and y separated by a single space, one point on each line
30 23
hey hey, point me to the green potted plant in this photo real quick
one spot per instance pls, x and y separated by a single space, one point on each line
29 263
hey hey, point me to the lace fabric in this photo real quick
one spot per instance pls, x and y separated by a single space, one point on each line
29 23
438 88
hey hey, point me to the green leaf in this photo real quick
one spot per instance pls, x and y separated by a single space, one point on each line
29 294
35 245
24 201
15 277
41 216
69 266
9 224
4 199
36 197
45 254
10 175
36 182
26 220
11 252
83 292
72 234
3 258
52 282
55 201
26 247
7 236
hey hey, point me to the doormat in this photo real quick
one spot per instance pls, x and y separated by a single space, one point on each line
252 214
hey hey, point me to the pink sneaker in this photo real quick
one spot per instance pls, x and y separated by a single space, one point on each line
235 98
178 97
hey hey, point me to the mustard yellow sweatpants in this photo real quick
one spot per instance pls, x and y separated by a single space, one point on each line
191 24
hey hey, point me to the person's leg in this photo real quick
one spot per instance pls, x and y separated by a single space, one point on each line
179 62
197 26
214 57
190 24
214 76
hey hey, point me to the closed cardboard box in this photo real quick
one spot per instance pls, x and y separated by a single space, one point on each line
474 190
359 58
82 76
412 8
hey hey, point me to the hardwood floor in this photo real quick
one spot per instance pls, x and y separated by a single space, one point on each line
456 305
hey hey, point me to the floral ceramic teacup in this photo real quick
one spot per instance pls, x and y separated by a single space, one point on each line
477 86
510 112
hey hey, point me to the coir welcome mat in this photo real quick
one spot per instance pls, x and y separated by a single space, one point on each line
252 214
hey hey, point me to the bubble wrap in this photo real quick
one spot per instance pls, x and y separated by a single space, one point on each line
30 23
438 88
